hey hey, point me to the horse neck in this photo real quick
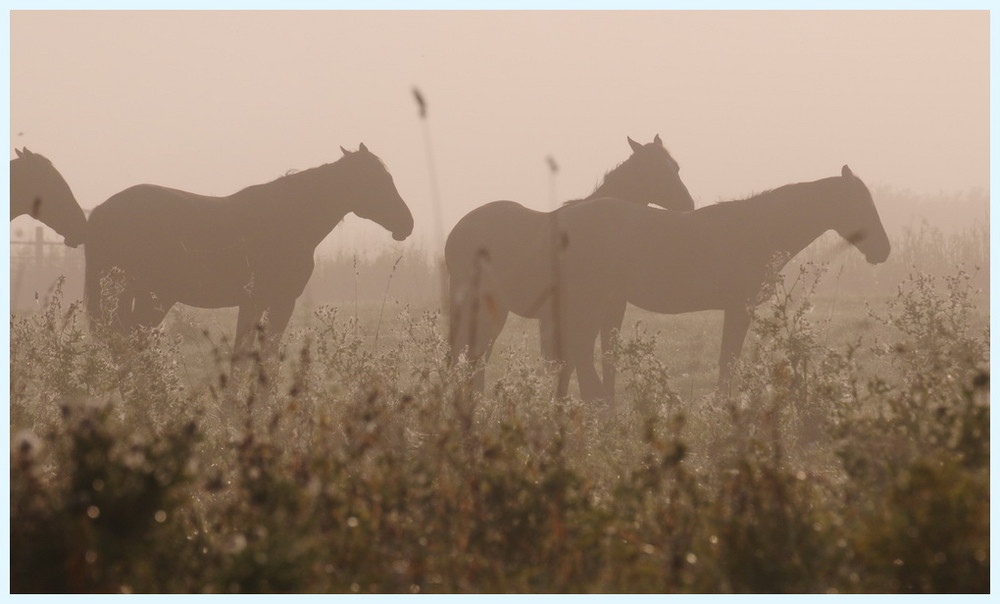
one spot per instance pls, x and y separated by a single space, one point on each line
795 215
307 205
21 197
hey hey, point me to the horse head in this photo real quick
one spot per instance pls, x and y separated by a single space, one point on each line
375 194
45 196
650 175
860 224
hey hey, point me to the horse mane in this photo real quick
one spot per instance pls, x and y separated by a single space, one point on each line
753 196
289 174
295 173
784 193
600 183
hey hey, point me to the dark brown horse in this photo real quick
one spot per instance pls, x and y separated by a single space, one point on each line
501 257
37 189
253 249
712 258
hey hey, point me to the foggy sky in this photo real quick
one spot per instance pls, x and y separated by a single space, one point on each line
212 102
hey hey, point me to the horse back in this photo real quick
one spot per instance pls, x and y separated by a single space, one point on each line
674 262
500 229
183 246
506 249
144 209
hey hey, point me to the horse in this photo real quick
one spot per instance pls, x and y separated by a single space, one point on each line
500 258
717 257
253 249
38 189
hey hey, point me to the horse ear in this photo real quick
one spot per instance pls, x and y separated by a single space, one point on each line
346 152
635 146
19 153
845 171
362 147
657 140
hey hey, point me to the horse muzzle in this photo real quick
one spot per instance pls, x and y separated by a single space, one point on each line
879 254
404 232
877 258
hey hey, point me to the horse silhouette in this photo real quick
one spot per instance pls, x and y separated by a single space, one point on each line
38 189
253 249
714 258
501 257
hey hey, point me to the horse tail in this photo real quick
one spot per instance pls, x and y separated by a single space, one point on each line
95 269
92 289
460 266
444 277
449 283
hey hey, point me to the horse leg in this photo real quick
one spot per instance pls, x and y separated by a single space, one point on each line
734 331
149 310
555 353
562 379
458 331
112 311
246 322
474 327
580 341
546 340
128 310
120 317
131 307
482 347
278 315
93 296
459 326
612 322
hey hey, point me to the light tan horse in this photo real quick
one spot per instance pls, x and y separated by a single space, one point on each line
253 249
713 258
38 189
501 257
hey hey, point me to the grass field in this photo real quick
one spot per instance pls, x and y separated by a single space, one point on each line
852 456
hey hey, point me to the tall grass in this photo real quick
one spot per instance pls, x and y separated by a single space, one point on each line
141 464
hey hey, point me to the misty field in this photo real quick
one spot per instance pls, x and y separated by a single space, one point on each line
851 457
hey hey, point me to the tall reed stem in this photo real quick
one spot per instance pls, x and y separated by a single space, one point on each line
435 200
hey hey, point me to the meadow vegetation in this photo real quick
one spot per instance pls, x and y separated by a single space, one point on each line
851 455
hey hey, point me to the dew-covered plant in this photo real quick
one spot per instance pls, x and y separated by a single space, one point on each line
153 462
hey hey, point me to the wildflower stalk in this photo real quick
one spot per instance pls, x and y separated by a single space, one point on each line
385 296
